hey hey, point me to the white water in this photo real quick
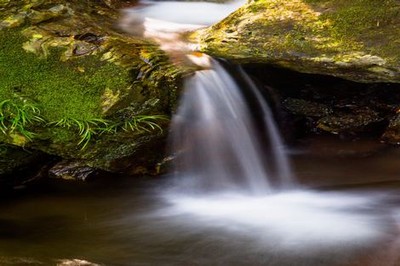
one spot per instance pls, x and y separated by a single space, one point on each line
298 219
153 18
214 136
217 144
227 173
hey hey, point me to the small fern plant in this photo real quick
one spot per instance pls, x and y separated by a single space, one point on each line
146 123
86 128
17 118
89 128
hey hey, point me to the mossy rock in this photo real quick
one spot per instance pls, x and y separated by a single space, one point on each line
357 40
73 85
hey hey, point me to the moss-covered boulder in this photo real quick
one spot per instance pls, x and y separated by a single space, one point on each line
73 85
357 40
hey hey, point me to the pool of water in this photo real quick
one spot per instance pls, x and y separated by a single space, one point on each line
351 216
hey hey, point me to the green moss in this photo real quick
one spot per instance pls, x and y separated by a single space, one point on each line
313 36
74 89
66 58
372 24
71 89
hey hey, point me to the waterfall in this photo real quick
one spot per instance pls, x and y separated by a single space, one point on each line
217 142
229 160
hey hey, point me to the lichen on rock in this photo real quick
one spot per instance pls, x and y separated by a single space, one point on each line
356 40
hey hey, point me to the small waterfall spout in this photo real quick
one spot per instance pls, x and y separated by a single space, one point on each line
217 143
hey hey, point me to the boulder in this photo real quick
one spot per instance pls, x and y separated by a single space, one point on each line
355 40
73 85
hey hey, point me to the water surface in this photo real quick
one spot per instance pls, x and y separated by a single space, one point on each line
351 217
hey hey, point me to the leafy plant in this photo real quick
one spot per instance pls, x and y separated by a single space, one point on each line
143 123
86 128
14 117
96 126
17 118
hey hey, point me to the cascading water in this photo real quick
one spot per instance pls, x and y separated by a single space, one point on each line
227 164
216 141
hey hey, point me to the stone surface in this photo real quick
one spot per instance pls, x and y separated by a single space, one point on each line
20 167
356 40
349 122
306 108
85 88
392 132
319 103
72 170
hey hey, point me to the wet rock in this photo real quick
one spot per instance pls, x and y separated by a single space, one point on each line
21 167
76 262
120 3
20 260
355 40
392 133
306 108
72 170
349 122
57 11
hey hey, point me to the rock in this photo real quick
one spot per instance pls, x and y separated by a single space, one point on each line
392 133
72 170
355 40
76 262
315 104
349 122
89 93
20 167
19 260
306 108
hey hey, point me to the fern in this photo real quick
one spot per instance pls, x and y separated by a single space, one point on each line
16 118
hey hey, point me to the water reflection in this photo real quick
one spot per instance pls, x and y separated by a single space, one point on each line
140 223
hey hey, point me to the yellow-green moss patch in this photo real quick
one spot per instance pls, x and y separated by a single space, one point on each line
357 40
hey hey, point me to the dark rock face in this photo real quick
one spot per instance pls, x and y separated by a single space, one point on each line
392 133
353 122
306 108
318 104
20 167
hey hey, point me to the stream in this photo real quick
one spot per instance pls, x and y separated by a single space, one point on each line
350 218
236 196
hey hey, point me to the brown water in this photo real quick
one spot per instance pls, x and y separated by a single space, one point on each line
352 219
